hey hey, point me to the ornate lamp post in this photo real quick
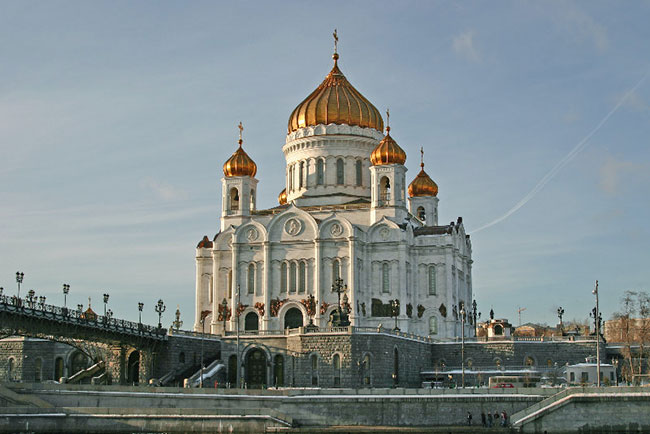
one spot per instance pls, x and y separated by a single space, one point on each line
105 302
177 324
140 307
339 318
462 344
560 314
30 298
204 314
41 302
474 315
66 290
19 280
394 310
80 308
597 319
109 315
224 313
160 308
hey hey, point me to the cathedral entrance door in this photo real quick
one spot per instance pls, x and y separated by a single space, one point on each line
256 369
133 368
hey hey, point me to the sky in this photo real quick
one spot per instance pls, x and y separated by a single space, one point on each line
116 118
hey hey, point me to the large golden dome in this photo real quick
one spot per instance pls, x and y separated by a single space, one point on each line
423 185
335 101
387 152
239 164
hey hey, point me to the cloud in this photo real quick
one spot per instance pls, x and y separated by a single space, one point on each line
612 171
162 190
463 45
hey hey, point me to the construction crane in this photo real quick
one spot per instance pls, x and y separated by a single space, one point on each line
519 311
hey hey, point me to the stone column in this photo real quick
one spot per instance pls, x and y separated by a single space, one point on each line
402 319
235 282
317 277
267 285
351 279
214 324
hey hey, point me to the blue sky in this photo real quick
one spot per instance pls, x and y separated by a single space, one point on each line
116 117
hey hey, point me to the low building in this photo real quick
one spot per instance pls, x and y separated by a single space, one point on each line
586 373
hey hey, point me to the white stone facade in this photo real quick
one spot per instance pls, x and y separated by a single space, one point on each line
339 221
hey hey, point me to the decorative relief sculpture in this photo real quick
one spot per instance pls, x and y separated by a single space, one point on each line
260 308
221 313
276 304
409 310
336 229
293 227
323 307
252 234
443 310
420 310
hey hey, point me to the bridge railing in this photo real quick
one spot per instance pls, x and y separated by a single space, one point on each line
34 308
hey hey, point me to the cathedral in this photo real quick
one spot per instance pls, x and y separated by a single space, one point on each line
348 235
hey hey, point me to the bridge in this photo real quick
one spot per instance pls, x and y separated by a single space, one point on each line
131 352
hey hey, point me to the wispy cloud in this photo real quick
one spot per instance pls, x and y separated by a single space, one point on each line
612 171
465 47
163 190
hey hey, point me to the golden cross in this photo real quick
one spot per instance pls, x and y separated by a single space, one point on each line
422 157
241 129
88 302
336 40
388 119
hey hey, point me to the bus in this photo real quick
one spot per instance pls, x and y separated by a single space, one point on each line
512 381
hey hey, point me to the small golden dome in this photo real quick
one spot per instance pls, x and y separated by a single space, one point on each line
423 185
335 101
239 164
282 197
387 152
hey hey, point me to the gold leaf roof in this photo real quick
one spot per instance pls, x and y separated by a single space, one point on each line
239 164
387 152
335 101
282 197
423 185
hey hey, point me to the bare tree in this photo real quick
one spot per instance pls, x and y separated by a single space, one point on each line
633 324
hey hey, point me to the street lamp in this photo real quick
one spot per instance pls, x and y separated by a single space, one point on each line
109 315
474 315
394 310
105 302
204 314
340 319
160 308
66 289
177 324
462 344
140 307
560 314
597 318
41 302
19 280
224 313
30 298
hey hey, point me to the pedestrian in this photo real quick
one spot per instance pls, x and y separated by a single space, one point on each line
504 418
469 418
496 417
489 419
483 419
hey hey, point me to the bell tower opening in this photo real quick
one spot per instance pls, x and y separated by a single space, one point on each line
384 191
234 199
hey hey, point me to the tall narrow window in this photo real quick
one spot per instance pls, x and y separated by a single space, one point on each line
433 325
432 280
395 367
252 204
319 172
283 277
301 174
314 370
339 171
301 277
336 270
367 371
229 284
251 279
290 178
359 173
384 191
234 199
292 277
337 369
385 278
422 214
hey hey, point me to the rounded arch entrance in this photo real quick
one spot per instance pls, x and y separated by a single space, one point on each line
251 322
133 368
255 365
293 318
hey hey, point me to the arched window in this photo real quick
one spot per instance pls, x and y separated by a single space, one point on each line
319 172
251 279
278 371
421 213
384 191
292 277
209 289
234 199
301 174
340 178
314 370
38 370
385 278
252 204
433 325
498 329
58 368
367 371
291 178
359 173
229 284
283 277
251 322
302 277
336 270
432 280
336 362
293 318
